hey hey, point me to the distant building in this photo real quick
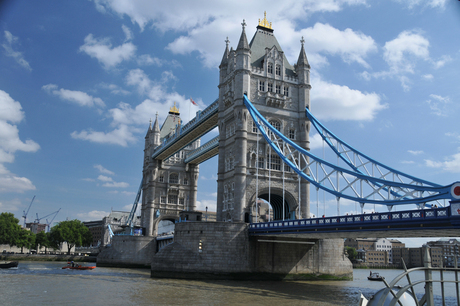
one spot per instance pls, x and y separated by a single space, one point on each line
36 227
450 250
377 257
96 229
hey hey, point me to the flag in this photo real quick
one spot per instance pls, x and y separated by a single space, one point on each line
193 102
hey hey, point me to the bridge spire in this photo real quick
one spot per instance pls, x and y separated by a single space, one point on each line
243 42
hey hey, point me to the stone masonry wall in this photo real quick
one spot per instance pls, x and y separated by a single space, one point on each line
128 251
224 251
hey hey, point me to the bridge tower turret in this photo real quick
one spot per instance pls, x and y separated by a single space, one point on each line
280 92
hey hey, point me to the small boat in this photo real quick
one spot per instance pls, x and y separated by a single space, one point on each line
375 277
9 264
73 266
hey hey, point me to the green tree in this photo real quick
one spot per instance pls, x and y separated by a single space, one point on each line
9 229
74 232
42 240
26 239
351 252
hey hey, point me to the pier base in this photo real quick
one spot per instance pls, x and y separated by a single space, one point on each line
221 250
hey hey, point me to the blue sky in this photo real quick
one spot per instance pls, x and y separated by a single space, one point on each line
80 80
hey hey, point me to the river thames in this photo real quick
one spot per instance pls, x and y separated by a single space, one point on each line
46 283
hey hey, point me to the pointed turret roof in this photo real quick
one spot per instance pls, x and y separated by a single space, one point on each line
156 126
303 56
243 43
224 61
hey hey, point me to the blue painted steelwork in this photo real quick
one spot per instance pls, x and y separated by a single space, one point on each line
401 220
183 131
130 221
360 162
356 186
202 150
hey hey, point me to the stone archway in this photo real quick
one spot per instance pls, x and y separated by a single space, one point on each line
274 198
156 223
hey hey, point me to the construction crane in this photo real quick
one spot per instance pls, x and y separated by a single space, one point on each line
25 213
47 223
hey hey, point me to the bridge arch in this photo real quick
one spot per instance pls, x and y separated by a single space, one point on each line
274 197
156 223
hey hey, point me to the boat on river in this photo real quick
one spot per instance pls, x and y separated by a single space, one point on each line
375 277
8 264
74 266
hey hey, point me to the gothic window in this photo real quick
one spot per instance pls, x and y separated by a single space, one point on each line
163 199
260 163
174 178
181 201
278 70
270 68
291 134
270 87
286 168
286 91
172 199
185 181
254 127
274 162
161 179
261 86
276 125
278 89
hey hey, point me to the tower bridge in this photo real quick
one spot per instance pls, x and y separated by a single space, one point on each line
264 119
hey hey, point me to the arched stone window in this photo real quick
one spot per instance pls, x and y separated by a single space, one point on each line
174 178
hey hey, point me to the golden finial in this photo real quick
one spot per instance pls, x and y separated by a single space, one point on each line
264 23
174 109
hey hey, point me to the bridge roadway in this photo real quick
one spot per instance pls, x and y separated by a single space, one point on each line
436 222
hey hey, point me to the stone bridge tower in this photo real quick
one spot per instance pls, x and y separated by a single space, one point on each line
168 186
280 92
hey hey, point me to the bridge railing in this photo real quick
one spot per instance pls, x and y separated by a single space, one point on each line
387 218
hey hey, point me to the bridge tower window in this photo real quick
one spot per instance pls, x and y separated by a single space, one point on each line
286 91
163 199
274 162
172 199
185 181
254 127
261 86
161 179
270 68
261 163
278 70
174 178
291 134
278 89
270 87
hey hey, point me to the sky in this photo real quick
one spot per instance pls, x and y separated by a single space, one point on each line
80 81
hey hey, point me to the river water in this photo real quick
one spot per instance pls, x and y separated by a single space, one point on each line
46 283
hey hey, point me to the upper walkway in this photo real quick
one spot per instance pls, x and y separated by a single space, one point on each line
204 121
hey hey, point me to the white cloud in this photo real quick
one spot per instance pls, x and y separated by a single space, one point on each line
424 3
316 142
102 50
147 60
203 23
451 164
11 112
122 136
114 89
103 170
93 215
439 105
402 54
10 40
336 102
78 97
109 182
351 46
129 35
415 152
